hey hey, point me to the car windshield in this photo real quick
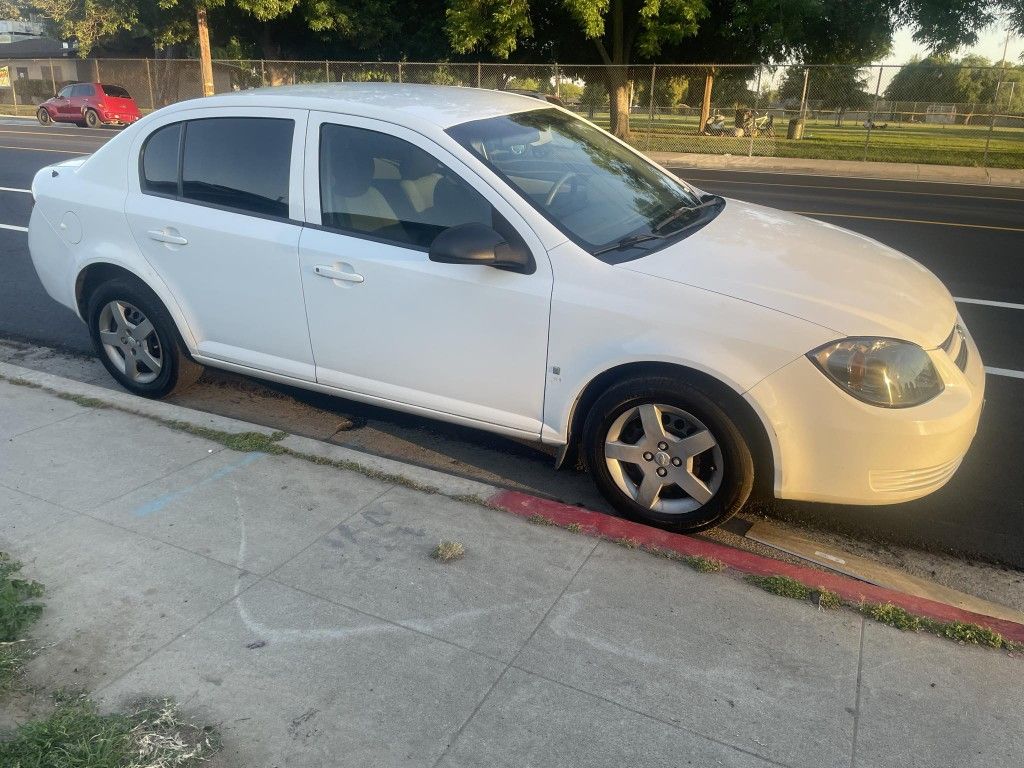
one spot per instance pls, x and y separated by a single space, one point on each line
115 91
598 192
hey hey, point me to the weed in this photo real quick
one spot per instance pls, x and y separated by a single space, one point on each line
893 615
19 609
574 527
781 585
704 564
83 400
538 519
627 542
447 551
18 606
76 734
827 599
965 632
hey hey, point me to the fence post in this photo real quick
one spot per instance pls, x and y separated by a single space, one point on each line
53 80
149 85
558 83
705 104
327 70
263 72
995 99
871 115
479 75
14 88
650 114
803 95
400 72
753 117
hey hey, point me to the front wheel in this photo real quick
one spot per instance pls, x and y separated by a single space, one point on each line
44 117
664 452
137 341
92 119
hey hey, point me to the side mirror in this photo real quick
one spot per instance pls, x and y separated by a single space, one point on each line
481 245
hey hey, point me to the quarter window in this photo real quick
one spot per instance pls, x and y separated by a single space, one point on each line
238 162
378 185
160 160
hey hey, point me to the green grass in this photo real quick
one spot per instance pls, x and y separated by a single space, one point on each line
824 140
19 609
76 735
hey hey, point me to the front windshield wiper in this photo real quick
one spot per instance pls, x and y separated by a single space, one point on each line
627 242
707 202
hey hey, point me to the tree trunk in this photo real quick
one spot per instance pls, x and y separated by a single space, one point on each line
618 100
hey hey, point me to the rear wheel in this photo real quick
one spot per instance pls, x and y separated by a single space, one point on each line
664 452
44 117
137 341
92 119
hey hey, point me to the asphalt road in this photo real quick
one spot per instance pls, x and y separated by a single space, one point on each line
972 237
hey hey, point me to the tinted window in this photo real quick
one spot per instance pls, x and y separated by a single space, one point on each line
116 91
375 184
65 92
160 161
239 162
81 90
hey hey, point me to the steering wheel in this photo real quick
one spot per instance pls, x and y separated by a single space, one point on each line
558 186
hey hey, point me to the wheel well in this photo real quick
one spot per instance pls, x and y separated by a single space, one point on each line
93 276
736 406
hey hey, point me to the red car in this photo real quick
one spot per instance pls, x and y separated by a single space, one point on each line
91 104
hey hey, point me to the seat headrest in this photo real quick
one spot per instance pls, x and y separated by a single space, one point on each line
415 164
352 171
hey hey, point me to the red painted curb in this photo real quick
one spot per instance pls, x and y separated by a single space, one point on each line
599 524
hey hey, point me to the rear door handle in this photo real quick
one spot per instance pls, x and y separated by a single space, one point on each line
337 274
166 237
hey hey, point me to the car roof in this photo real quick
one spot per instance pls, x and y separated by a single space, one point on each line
440 105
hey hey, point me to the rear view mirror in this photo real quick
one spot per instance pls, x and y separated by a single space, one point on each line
481 245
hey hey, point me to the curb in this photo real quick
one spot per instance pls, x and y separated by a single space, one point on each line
942 174
523 504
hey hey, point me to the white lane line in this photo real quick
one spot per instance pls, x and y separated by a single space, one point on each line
14 227
15 189
988 303
1004 372
908 221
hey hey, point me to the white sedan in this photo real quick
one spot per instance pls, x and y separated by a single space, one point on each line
492 260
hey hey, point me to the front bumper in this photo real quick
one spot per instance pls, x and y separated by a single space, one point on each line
830 447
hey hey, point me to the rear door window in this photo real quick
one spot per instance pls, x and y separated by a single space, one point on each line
160 160
115 91
82 91
240 163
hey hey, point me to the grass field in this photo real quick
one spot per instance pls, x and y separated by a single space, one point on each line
823 140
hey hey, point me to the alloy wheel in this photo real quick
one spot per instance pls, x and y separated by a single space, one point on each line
131 342
663 458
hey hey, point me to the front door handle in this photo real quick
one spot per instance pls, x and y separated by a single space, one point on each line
166 237
337 274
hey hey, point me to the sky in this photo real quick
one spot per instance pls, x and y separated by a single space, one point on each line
990 45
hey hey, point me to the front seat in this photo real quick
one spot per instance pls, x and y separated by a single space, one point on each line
355 203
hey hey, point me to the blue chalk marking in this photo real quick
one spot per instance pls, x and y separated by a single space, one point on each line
157 504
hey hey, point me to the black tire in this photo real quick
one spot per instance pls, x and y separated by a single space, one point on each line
92 119
178 371
736 475
44 117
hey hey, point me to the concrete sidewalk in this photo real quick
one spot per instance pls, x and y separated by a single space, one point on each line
297 606
950 174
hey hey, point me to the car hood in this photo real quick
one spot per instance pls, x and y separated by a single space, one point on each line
826 275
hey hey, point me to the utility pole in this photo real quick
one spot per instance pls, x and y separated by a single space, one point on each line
205 63
995 97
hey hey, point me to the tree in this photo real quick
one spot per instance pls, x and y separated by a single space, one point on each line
835 88
619 31
90 21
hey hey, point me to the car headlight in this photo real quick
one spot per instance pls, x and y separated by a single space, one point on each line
885 372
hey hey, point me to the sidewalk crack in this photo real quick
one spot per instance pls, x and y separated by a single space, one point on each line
856 705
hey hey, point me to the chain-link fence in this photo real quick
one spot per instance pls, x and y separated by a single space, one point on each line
920 113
